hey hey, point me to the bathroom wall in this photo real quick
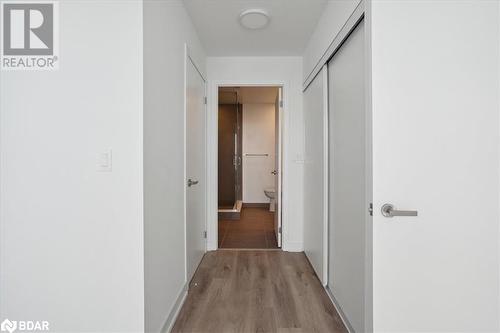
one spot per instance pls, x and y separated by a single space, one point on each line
258 138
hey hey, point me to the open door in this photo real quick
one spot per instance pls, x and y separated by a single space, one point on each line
277 161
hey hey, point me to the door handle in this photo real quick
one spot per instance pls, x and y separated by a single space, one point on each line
274 172
389 211
192 182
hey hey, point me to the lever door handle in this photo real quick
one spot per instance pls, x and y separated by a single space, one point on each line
389 211
192 182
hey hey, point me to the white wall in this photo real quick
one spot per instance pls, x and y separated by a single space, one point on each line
435 89
314 173
331 22
258 138
166 28
72 237
258 70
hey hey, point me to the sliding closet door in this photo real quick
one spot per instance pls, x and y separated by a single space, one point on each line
347 181
315 186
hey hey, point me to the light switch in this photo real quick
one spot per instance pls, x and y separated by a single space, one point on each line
104 161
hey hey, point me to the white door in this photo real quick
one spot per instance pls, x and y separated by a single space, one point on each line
195 169
315 189
348 201
277 168
435 68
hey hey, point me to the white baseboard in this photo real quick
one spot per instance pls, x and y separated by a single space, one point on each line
341 313
174 312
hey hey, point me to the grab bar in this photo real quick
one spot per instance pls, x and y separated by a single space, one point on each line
255 155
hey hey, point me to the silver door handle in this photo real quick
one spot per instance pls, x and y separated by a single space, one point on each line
389 211
192 182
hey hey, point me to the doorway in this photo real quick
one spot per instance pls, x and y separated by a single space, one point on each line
249 167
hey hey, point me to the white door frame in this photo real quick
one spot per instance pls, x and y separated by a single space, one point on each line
189 59
212 156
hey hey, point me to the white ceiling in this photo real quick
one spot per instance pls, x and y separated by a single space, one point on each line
292 23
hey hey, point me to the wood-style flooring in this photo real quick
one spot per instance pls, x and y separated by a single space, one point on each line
256 291
254 230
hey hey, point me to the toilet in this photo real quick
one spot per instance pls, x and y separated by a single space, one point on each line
271 194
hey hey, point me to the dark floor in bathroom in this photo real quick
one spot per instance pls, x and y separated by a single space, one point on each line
254 230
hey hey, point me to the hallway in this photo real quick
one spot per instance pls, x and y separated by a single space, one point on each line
250 166
256 291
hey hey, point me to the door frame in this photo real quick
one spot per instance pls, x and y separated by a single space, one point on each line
212 156
190 59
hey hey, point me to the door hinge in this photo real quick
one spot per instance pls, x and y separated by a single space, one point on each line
279 229
205 100
205 234
370 209
281 104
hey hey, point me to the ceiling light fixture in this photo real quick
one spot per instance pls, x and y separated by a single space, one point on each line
254 19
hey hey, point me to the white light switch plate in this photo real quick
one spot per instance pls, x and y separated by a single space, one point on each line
105 161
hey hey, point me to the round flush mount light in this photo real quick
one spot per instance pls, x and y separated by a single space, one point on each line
254 19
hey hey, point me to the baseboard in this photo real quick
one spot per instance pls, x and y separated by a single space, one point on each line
341 313
293 247
174 312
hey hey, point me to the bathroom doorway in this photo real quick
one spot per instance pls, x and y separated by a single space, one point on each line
249 159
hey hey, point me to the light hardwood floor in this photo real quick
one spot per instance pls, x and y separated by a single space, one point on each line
256 291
